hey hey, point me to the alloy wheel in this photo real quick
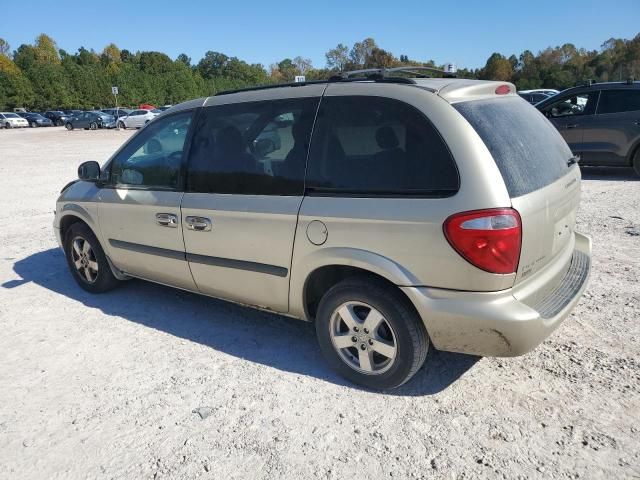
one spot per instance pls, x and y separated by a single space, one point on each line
84 259
363 338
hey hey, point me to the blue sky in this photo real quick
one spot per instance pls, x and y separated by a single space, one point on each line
462 32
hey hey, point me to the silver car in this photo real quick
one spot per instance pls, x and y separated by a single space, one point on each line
396 213
137 119
12 120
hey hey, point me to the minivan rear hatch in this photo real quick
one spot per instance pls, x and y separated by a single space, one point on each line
540 175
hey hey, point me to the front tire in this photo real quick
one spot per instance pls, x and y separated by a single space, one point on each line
636 161
370 333
34 124
93 126
122 125
87 261
68 126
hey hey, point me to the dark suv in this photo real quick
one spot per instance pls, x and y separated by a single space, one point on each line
600 122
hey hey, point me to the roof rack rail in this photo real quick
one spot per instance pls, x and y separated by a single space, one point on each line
272 85
383 72
380 75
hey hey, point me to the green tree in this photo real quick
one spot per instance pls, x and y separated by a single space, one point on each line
5 49
497 68
15 88
338 57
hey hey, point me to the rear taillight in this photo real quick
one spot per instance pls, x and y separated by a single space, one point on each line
489 239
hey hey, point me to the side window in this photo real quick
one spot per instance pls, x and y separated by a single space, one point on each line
617 101
375 145
579 104
154 157
253 148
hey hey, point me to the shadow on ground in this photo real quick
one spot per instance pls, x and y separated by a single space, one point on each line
609 173
261 337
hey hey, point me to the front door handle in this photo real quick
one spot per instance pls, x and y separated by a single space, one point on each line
573 125
198 224
167 220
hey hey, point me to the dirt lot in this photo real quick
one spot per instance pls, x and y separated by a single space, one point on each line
150 382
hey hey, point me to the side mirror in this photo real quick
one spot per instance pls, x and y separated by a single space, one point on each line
89 171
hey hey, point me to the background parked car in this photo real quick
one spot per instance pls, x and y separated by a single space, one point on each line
72 112
118 113
137 119
534 97
12 120
91 120
547 91
36 120
600 122
58 117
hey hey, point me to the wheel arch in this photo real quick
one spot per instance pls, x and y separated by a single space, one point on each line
70 218
324 268
73 217
633 151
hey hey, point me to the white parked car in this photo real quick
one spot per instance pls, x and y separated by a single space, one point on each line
12 120
137 119
546 91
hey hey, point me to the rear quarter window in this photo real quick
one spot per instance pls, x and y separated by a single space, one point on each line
619 101
368 146
527 148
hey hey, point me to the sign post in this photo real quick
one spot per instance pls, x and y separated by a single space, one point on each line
114 91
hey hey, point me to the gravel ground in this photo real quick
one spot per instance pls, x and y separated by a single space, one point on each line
151 382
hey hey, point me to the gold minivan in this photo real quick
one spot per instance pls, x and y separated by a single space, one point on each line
394 212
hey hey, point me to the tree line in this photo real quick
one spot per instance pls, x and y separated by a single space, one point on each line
40 76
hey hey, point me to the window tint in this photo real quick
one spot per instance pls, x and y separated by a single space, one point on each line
257 148
527 148
578 104
153 158
616 101
374 145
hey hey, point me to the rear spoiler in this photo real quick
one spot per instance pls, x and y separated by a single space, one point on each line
473 90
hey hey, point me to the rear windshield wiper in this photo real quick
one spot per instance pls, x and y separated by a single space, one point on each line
573 160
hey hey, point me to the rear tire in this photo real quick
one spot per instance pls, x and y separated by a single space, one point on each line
383 356
34 124
636 161
68 126
87 261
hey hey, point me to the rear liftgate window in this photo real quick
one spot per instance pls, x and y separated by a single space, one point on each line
529 151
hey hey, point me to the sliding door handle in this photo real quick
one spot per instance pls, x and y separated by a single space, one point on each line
167 220
198 224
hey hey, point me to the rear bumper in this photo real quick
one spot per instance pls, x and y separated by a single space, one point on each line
497 323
